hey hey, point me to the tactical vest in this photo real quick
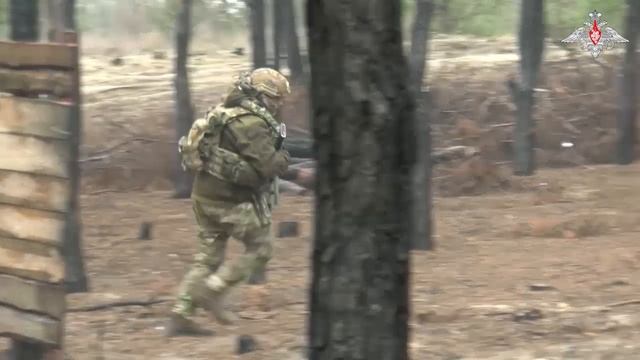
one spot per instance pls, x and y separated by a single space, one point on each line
200 148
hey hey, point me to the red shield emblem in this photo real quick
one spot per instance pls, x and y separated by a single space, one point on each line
594 33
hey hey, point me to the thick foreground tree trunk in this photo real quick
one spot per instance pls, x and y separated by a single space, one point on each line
628 108
363 127
294 60
258 44
531 40
422 225
184 109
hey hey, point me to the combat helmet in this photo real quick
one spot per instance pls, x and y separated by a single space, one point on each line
269 82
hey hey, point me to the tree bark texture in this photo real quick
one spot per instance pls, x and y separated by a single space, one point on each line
628 80
422 224
75 273
277 12
23 20
363 112
531 43
294 60
184 109
257 25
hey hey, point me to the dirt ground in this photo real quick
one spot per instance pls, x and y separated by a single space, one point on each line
534 274
544 268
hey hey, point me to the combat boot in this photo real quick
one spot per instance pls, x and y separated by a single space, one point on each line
179 325
215 306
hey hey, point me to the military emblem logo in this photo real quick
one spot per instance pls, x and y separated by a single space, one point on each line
595 36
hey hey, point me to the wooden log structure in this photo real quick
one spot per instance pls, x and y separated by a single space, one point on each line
37 69
36 83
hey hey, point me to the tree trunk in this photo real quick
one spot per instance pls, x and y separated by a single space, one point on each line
531 40
257 33
628 110
277 32
294 60
75 274
184 109
422 224
70 14
419 38
23 350
23 20
363 112
56 20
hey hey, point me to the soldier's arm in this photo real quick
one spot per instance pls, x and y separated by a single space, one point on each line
254 142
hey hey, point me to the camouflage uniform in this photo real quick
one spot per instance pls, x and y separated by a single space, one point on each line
232 189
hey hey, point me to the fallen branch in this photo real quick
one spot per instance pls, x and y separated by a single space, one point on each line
624 303
106 153
121 303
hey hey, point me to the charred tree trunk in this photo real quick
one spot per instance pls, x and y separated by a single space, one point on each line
363 112
258 42
422 224
531 40
75 274
277 32
294 60
628 81
23 20
184 109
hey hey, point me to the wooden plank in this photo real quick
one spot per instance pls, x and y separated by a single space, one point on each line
33 191
34 155
16 323
34 117
50 82
29 55
49 269
25 223
28 246
33 296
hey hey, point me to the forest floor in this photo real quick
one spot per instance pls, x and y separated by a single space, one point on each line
542 273
547 268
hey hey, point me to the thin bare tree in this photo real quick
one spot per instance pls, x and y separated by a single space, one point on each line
184 109
422 224
531 44
628 79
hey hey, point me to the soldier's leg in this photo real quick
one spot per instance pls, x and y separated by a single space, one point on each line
246 226
212 245
258 250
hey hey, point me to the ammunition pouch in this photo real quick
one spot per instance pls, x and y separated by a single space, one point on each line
190 155
230 167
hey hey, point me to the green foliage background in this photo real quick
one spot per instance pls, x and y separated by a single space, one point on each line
485 18
489 18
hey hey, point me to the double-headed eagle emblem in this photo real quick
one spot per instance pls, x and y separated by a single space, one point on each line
595 36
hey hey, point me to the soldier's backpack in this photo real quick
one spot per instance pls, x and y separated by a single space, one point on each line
200 150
